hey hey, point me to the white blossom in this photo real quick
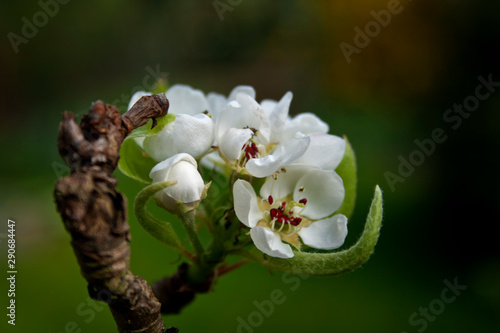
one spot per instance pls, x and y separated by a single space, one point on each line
261 138
293 208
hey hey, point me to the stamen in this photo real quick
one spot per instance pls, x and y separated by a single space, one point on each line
303 201
296 221
283 170
250 150
275 176
282 225
301 189
270 200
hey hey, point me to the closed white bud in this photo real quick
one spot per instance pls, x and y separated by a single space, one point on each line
188 190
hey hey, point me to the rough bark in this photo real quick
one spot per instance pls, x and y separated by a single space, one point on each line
95 214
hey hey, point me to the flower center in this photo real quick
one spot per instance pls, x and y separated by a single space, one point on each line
284 214
250 149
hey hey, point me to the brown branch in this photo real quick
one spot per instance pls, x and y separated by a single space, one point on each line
94 212
177 291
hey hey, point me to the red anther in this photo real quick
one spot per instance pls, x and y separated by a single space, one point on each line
274 212
296 221
251 150
283 204
270 200
280 220
303 201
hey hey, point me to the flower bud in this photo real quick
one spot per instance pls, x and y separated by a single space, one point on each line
189 188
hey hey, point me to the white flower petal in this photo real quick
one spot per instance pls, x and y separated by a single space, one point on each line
325 151
183 169
216 103
306 123
244 112
283 154
279 116
246 205
226 119
270 243
327 234
251 114
136 97
268 105
193 134
160 146
295 148
324 191
184 99
267 165
285 184
232 142
249 90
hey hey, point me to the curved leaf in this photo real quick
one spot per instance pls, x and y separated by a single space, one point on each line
336 263
159 229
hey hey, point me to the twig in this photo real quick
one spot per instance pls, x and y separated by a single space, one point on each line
94 212
229 268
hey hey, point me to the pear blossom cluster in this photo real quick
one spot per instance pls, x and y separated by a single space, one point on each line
295 158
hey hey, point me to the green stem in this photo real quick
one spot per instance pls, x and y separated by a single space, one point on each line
188 221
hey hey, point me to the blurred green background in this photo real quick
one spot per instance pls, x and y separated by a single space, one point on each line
440 223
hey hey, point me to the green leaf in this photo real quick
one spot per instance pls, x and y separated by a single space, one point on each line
347 171
134 162
159 229
335 263
148 129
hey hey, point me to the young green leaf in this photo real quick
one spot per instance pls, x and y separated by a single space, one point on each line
159 229
134 162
